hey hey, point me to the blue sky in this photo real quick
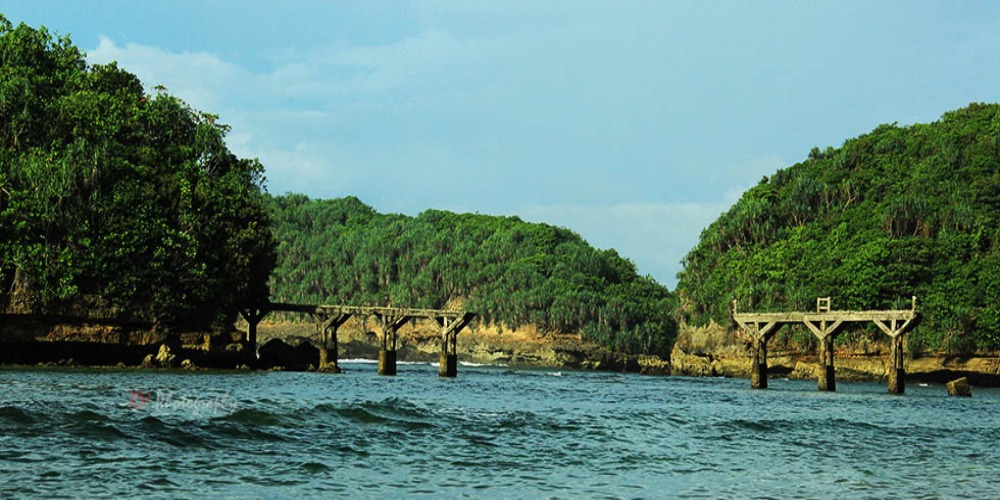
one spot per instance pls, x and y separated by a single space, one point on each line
633 123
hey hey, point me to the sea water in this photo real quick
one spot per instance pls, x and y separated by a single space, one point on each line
491 432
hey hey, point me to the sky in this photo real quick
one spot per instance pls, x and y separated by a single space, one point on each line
633 123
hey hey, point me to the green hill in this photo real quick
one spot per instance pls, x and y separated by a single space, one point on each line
511 272
896 212
118 203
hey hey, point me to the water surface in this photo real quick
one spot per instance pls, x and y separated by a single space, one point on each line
493 431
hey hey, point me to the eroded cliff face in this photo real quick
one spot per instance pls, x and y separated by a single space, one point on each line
477 344
719 351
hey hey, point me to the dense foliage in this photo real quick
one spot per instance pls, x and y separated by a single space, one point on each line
511 272
897 212
112 197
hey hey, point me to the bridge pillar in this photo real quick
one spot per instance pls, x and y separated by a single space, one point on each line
387 355
328 326
825 331
253 316
449 343
759 336
827 374
758 366
387 362
449 365
897 374
895 329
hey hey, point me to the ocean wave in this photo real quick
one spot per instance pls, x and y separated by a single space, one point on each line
395 412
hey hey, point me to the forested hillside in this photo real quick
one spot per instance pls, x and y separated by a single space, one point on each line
116 202
511 272
897 212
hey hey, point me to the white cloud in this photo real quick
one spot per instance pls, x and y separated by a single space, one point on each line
200 78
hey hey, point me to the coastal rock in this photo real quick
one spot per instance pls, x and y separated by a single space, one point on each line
188 365
654 365
165 357
960 387
276 353
148 362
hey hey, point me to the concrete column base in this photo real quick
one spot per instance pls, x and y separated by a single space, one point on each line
827 379
449 366
758 376
897 381
386 362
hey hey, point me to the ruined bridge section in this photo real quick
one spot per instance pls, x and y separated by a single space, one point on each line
390 319
826 324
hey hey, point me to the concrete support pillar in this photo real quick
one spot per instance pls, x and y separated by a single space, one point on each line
758 367
827 376
387 362
825 330
897 374
895 329
387 356
253 316
334 365
449 365
450 326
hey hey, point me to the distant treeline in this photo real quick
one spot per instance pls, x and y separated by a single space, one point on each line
118 202
896 212
511 272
